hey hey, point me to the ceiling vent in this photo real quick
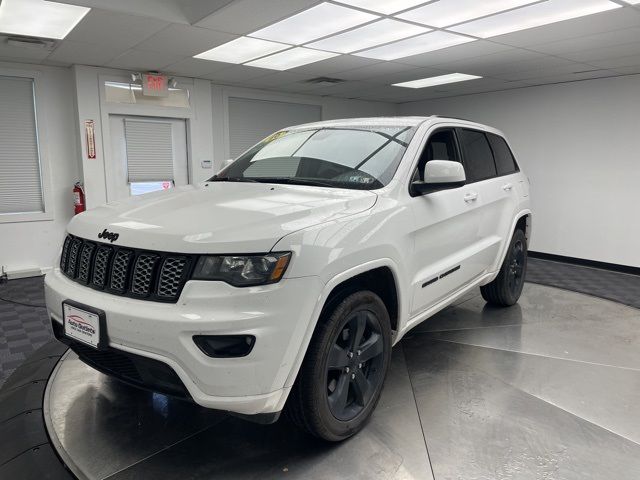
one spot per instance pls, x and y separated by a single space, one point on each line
324 81
30 42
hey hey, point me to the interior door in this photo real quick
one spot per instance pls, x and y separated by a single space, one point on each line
446 231
141 139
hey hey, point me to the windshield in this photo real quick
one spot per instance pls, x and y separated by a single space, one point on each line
360 157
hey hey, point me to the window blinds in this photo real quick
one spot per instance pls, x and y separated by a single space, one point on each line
20 178
252 120
149 151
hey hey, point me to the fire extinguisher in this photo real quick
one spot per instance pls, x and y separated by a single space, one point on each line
78 198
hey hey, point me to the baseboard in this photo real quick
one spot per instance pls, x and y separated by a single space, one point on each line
614 267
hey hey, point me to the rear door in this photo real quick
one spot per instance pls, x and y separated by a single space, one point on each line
492 196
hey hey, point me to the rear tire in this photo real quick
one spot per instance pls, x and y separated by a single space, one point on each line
506 288
341 378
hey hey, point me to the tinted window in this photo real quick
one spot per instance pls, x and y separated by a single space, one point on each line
478 157
504 158
440 146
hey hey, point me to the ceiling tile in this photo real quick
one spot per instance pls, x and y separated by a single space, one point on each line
246 16
184 40
341 88
496 63
83 53
143 60
458 52
572 77
617 62
333 65
546 71
275 79
373 71
408 75
195 67
114 29
587 42
23 54
615 51
238 74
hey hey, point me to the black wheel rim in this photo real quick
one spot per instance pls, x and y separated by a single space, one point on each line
515 274
354 365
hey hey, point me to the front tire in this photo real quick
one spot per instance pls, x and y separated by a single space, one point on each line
506 288
341 378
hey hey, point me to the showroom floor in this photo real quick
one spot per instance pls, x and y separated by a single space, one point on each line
547 389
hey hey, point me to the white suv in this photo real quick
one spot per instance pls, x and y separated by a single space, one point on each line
282 282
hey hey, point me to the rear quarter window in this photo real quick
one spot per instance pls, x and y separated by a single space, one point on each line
505 163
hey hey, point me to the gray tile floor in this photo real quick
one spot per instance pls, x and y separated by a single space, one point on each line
547 389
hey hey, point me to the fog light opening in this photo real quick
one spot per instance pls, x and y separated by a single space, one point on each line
225 346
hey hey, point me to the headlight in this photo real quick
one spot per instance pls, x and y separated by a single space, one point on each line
243 271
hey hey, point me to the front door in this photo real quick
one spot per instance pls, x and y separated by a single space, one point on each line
446 231
147 154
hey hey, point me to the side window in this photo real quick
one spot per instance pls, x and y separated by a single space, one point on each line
505 163
440 146
477 154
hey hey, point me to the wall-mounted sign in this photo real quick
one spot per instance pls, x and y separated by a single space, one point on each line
89 127
155 85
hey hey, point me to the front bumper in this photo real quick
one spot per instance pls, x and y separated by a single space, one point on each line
277 315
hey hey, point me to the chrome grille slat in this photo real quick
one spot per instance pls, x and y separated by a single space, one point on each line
86 255
156 276
143 273
120 270
171 275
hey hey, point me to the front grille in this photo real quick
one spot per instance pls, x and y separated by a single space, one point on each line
157 276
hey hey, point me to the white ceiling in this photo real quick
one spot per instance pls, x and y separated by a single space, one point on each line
165 34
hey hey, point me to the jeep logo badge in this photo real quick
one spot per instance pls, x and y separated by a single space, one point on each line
112 237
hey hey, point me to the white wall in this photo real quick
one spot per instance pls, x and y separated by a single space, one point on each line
72 95
579 143
26 245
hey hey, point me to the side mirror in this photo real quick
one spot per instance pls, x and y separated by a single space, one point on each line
440 175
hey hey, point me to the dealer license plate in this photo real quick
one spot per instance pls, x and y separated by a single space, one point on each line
81 325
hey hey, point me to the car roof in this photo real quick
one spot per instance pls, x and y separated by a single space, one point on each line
388 122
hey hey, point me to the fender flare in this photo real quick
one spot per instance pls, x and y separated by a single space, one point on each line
324 296
522 213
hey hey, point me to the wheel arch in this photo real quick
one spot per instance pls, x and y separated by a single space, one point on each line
347 282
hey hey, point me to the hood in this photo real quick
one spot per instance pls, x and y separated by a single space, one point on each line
219 217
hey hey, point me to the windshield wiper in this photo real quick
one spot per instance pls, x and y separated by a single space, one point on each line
294 181
232 179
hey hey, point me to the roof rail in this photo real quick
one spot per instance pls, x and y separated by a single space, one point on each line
453 118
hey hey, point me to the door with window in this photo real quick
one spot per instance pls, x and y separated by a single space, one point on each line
147 154
446 230
493 196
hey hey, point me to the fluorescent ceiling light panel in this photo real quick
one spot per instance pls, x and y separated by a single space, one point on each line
39 18
544 13
316 22
295 57
428 42
386 7
376 33
440 80
242 50
449 12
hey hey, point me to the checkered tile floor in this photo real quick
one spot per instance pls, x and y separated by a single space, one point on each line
25 328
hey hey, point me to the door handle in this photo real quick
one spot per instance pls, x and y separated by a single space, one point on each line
507 187
470 197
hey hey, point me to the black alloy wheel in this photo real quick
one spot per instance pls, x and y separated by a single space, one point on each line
506 288
354 365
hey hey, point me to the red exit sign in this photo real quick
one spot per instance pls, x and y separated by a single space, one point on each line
154 85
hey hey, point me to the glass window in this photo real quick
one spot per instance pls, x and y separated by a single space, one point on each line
440 146
120 92
477 154
362 157
505 163
140 188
